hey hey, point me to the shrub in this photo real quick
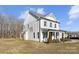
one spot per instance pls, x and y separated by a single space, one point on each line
65 40
55 41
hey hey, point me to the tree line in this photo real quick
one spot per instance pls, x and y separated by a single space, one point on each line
10 27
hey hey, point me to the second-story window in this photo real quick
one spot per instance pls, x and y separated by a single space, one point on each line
55 25
50 24
45 23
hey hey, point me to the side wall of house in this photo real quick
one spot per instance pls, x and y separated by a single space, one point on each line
31 26
62 35
34 28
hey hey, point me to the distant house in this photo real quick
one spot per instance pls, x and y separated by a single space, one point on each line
73 35
40 27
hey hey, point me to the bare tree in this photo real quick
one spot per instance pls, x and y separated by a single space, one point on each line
10 27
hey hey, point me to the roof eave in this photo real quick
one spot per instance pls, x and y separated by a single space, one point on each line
50 20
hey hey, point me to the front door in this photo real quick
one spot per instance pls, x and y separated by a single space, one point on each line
50 37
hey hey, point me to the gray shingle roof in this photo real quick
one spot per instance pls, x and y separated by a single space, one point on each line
37 16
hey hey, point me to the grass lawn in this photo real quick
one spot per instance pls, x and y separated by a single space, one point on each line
12 46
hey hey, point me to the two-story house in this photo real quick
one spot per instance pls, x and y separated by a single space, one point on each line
40 27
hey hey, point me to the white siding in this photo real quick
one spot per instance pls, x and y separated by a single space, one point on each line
29 19
26 35
64 35
33 27
60 35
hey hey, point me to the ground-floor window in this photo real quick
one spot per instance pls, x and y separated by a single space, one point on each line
34 34
44 34
62 35
53 33
38 34
57 34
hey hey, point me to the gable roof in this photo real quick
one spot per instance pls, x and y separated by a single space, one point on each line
50 14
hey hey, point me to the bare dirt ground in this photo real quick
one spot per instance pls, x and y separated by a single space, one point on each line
17 46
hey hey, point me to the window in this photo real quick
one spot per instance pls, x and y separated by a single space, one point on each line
28 25
34 35
31 29
44 34
38 34
53 33
62 35
44 23
57 33
55 25
50 24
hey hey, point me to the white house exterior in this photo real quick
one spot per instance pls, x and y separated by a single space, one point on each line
40 27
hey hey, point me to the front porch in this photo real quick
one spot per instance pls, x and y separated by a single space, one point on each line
49 35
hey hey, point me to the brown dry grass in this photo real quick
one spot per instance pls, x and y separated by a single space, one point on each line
22 46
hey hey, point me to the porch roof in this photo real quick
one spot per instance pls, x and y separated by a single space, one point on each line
54 30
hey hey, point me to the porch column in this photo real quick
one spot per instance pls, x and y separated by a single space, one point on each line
48 34
55 35
41 36
59 36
